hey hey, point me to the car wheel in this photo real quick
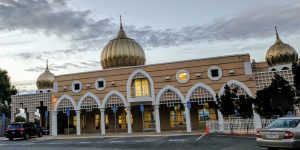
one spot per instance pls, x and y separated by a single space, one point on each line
40 134
26 136
11 138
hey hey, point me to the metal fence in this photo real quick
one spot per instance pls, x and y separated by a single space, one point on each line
236 126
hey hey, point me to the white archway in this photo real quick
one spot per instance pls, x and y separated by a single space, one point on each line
147 75
65 96
169 87
106 98
240 84
172 102
88 94
206 87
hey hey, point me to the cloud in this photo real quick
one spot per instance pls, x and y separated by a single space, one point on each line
51 17
65 66
29 56
56 17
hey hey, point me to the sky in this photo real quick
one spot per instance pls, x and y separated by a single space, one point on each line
72 33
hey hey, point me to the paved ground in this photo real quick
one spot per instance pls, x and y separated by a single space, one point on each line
177 142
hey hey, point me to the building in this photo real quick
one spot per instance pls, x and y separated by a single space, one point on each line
129 96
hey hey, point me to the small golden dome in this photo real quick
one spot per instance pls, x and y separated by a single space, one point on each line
45 80
281 53
122 51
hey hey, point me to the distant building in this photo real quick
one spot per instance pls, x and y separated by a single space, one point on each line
162 91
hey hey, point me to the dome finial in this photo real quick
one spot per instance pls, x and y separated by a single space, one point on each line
121 26
121 34
277 35
47 65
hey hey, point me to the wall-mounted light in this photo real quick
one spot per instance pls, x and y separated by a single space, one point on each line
167 78
231 71
198 75
113 83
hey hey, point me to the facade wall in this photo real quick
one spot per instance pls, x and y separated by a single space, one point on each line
158 73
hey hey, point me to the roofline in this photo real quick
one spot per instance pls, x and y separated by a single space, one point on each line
172 62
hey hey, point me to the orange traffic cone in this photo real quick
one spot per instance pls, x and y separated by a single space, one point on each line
206 130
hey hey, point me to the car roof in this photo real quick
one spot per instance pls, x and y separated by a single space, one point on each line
289 118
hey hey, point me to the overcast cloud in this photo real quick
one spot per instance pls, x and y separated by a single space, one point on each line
55 17
87 34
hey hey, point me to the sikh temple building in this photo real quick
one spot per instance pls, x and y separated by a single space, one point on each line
129 96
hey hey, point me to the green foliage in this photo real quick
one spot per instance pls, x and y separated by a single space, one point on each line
226 102
244 104
6 89
230 102
296 73
37 121
20 119
277 99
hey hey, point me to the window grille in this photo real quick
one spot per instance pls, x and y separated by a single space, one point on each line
114 100
201 95
170 98
88 104
64 105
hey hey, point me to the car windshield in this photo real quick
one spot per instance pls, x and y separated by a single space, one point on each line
14 126
284 123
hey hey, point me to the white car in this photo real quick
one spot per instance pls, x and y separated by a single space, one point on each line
281 133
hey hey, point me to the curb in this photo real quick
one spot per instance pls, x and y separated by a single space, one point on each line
112 136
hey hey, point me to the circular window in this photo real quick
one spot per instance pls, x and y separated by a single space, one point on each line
182 76
100 84
76 86
214 73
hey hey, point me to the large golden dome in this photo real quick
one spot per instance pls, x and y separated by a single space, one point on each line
45 80
122 51
281 53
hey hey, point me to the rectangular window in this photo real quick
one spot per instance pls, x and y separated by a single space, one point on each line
74 121
177 117
100 84
77 86
182 76
97 121
214 72
141 87
138 89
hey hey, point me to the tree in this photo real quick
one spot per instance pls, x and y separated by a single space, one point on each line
20 119
244 104
231 103
226 102
277 99
6 89
296 73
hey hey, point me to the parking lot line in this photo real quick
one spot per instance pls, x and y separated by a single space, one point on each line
140 141
84 142
112 139
116 141
176 140
199 138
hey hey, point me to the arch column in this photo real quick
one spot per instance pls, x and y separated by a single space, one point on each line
78 122
54 123
102 110
157 118
257 119
129 120
188 118
221 120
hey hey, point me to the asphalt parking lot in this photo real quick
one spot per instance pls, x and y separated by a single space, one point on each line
180 142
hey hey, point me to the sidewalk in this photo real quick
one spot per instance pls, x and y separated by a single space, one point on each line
118 135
